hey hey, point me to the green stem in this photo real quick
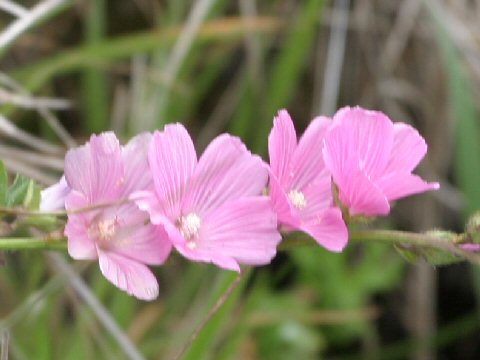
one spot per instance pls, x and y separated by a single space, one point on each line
30 243
391 237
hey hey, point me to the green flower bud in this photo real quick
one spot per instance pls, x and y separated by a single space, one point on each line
472 229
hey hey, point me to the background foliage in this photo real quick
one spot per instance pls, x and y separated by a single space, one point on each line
218 65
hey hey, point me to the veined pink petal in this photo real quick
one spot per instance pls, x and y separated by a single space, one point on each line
172 160
396 185
339 156
53 197
130 276
137 172
285 212
242 231
145 243
307 160
318 196
96 169
409 148
226 171
148 201
362 196
282 142
367 134
328 229
80 245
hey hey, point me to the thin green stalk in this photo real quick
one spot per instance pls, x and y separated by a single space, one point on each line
392 237
30 243
210 315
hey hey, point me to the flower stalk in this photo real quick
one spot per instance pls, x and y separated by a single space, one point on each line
31 243
392 237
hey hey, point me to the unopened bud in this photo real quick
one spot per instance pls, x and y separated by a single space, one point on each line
472 229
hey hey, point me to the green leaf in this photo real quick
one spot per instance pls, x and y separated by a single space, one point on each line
407 254
23 192
19 191
3 184
439 257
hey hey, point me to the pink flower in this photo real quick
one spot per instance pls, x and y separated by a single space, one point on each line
119 236
300 185
371 160
210 208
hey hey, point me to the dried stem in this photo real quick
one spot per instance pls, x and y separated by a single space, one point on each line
29 19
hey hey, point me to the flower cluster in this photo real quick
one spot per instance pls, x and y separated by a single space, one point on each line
130 205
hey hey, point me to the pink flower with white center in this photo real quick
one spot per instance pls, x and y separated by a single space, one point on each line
211 208
300 185
119 236
371 160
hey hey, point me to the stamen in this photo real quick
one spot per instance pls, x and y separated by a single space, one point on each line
103 231
298 199
189 226
191 245
107 228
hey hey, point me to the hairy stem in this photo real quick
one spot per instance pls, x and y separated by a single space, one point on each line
392 237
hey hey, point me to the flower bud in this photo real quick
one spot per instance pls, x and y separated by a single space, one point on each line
472 229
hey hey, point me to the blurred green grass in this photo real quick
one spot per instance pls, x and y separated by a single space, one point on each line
58 325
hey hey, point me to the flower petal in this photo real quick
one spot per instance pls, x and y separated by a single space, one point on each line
80 245
409 148
318 197
172 160
226 171
243 231
53 197
148 201
282 142
147 244
400 184
307 161
328 229
365 135
96 169
281 204
130 276
361 196
137 173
